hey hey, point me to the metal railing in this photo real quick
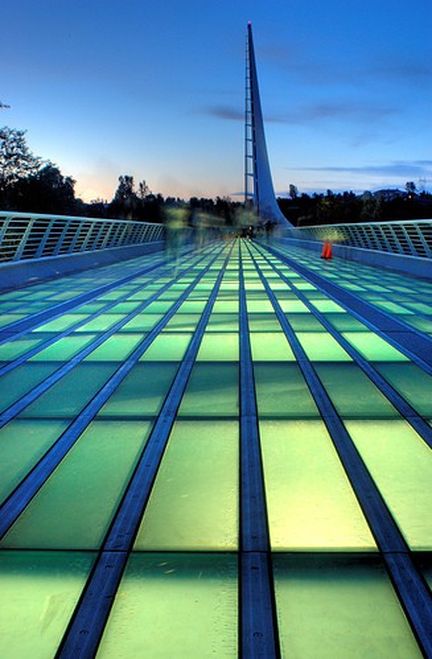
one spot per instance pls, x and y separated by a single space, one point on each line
406 237
32 235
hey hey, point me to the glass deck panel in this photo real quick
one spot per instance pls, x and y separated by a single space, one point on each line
282 391
63 349
75 505
322 347
21 380
373 347
211 391
271 347
22 444
71 393
142 392
412 383
340 606
311 505
39 592
194 501
167 347
400 462
360 399
222 347
152 597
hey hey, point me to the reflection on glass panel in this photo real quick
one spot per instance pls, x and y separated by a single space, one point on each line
62 323
321 346
116 348
282 391
373 347
271 347
311 505
22 444
142 392
211 391
64 349
13 349
222 347
21 380
143 322
194 501
70 394
174 605
339 606
360 399
73 508
167 347
183 322
100 323
400 462
412 383
39 593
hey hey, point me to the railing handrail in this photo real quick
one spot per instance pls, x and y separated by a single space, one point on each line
361 224
51 216
26 235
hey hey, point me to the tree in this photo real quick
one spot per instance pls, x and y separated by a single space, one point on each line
125 201
411 189
293 191
46 191
16 159
143 189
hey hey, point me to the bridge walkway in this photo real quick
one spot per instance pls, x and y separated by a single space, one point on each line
231 456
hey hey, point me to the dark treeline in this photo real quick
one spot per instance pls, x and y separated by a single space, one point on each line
344 207
28 183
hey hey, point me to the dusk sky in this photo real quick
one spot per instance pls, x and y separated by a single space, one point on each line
156 90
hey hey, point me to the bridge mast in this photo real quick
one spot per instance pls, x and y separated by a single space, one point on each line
257 168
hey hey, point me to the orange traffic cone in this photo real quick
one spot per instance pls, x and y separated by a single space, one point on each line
327 251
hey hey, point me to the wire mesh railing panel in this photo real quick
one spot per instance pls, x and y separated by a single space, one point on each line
26 236
407 238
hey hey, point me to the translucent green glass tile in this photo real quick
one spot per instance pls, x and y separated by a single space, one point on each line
393 308
211 391
259 306
194 596
90 307
167 347
73 508
69 395
183 322
293 306
412 383
116 348
263 322
344 322
143 322
401 465
61 323
39 591
15 348
63 349
22 444
271 347
322 347
159 307
194 306
282 391
352 393
311 505
194 501
373 347
100 323
219 347
327 306
142 392
423 324
21 380
339 606
219 322
304 322
8 319
226 306
125 307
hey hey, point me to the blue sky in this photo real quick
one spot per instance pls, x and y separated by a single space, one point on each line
156 90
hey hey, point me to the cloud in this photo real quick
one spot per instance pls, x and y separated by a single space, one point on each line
348 111
409 168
